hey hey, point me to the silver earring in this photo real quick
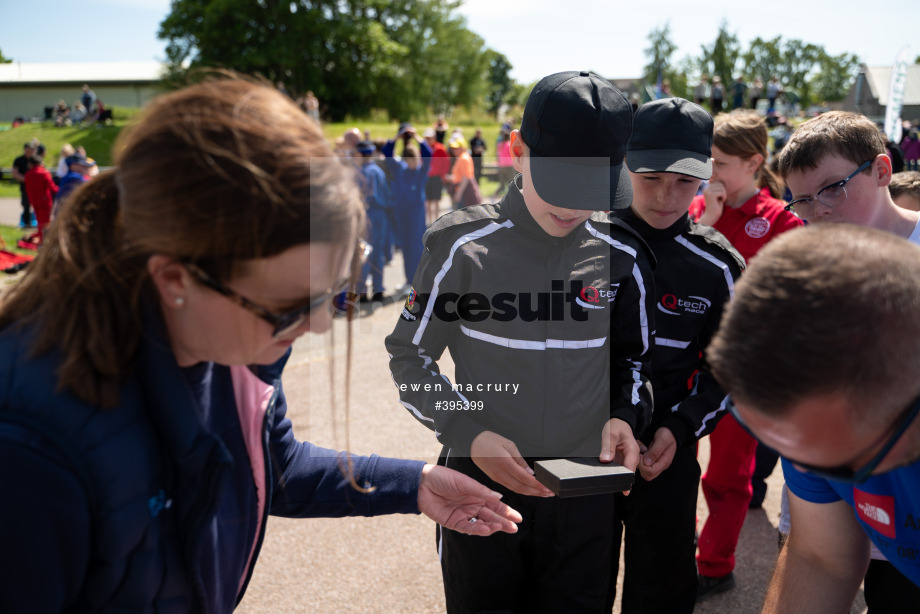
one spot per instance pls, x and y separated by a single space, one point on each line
179 301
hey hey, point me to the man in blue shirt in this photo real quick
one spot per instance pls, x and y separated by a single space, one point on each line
820 352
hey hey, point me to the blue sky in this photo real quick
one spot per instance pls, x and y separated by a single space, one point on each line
540 37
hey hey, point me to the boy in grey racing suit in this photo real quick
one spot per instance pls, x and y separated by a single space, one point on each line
545 305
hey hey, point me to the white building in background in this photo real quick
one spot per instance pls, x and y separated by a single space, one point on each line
869 93
26 89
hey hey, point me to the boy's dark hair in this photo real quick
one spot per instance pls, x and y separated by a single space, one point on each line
907 182
36 160
796 327
851 136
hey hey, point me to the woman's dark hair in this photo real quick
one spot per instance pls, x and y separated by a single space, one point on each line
218 173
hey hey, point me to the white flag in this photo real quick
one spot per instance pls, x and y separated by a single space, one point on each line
896 85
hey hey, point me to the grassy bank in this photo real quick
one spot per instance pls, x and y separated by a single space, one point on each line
10 235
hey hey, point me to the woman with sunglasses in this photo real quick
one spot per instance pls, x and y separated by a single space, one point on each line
742 201
143 429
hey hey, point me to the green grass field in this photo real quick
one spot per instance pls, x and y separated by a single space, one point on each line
10 235
97 141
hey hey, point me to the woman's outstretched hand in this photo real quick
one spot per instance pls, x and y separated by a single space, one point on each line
460 503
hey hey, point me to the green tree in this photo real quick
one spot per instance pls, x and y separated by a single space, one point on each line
835 75
4 60
659 53
799 58
501 85
762 59
355 55
680 86
721 57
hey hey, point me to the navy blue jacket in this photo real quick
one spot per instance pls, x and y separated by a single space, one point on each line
108 510
408 185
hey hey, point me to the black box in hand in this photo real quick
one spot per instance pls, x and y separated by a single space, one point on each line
574 477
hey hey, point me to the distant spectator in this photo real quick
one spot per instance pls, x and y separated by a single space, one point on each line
739 89
440 129
477 148
20 168
894 152
440 166
701 92
101 115
505 163
774 89
781 134
311 105
88 99
78 114
756 92
350 140
905 190
718 95
462 179
67 150
79 171
407 186
41 190
665 90
93 169
910 146
61 114
458 131
376 203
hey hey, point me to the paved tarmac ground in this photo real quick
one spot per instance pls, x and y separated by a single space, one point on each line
390 564
10 211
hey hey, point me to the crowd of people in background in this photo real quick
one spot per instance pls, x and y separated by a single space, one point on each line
42 191
747 170
87 110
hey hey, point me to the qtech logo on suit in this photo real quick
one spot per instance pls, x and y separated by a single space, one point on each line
557 305
674 306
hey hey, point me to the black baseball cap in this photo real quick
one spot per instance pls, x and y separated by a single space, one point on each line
576 125
671 135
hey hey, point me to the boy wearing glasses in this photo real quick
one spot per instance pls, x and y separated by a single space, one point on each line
810 379
836 167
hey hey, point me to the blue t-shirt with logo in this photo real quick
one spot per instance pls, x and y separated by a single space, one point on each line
886 505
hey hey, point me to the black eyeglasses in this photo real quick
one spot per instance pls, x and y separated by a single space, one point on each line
283 323
845 473
831 196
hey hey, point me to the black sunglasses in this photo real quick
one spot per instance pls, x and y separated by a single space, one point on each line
283 323
845 473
